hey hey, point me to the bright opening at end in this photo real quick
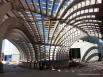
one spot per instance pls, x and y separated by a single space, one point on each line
10 54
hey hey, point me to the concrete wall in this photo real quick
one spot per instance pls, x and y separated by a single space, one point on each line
86 47
10 49
101 48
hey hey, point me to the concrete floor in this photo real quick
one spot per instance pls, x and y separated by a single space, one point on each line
94 69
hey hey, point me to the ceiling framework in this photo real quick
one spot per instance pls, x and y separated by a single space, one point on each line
18 37
56 24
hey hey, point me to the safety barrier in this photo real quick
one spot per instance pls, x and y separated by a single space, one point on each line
46 64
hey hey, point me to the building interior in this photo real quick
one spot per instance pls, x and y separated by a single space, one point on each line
51 38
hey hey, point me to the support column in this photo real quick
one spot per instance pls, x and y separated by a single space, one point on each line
21 56
0 46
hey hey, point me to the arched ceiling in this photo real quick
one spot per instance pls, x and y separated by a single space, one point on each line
21 41
57 24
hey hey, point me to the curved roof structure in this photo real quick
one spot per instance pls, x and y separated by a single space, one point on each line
42 28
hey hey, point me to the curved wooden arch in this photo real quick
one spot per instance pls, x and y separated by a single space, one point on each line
13 23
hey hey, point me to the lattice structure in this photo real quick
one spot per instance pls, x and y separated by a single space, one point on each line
54 25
